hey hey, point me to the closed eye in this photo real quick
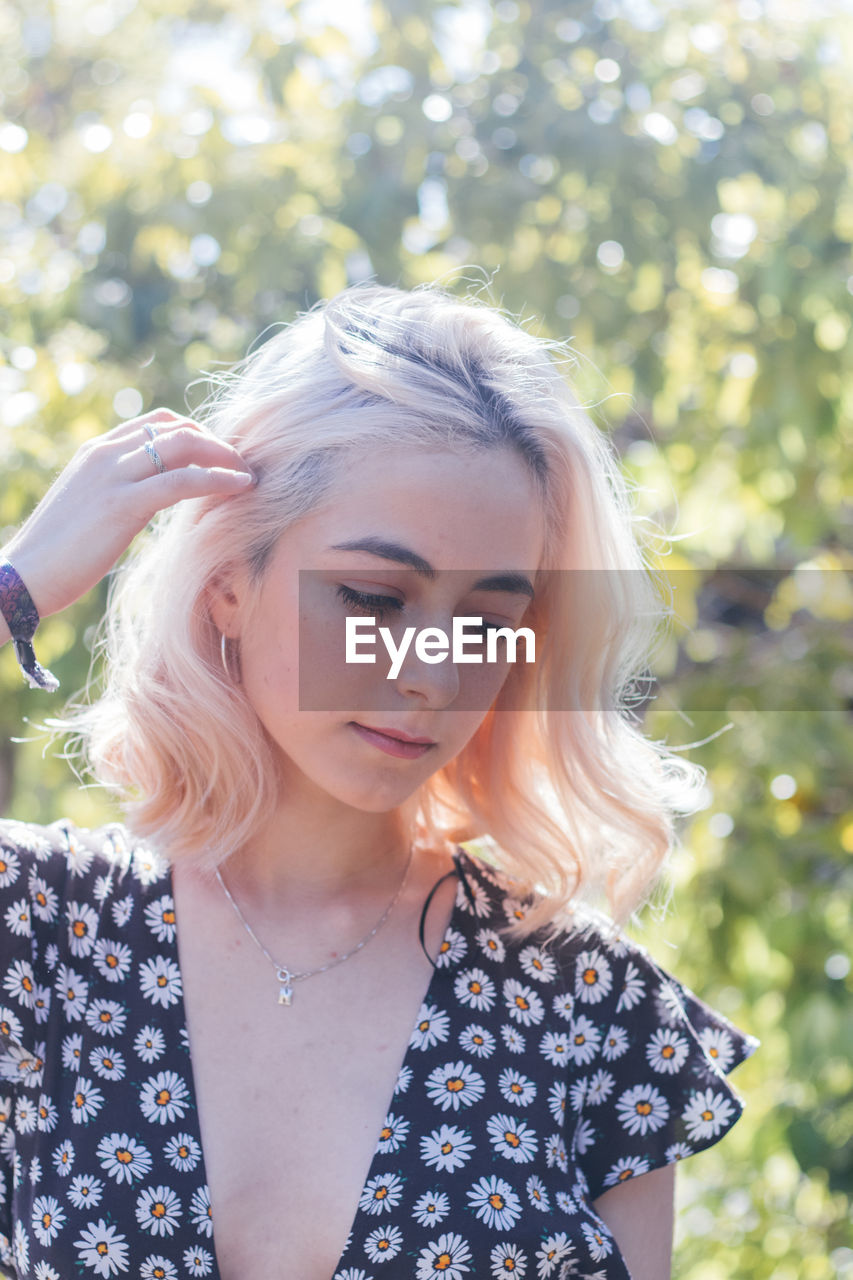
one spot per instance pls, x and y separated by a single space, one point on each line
369 604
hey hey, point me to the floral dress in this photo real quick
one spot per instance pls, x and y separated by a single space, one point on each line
536 1078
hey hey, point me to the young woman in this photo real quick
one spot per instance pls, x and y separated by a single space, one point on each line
279 1022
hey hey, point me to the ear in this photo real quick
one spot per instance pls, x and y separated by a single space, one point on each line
226 595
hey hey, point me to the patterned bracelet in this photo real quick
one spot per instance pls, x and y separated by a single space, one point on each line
16 606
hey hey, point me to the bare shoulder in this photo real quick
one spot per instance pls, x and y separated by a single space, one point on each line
640 1213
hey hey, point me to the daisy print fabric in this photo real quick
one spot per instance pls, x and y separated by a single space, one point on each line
536 1078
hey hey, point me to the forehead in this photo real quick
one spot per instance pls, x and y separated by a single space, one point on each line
455 510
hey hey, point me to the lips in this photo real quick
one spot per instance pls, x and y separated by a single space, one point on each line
399 735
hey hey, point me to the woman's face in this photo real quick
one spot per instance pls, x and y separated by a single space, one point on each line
468 518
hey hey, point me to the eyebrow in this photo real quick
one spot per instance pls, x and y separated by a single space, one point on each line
508 580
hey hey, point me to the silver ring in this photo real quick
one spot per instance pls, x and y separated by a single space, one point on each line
152 431
154 456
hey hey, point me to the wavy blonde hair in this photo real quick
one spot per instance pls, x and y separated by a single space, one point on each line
574 803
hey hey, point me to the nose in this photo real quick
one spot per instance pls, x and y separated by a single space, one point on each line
436 683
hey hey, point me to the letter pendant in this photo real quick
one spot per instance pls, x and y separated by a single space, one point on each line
285 991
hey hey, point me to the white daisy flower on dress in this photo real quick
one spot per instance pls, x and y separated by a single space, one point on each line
431 1027
495 1202
146 865
47 1218
404 1079
26 1115
455 1084
447 1257
51 956
514 909
508 1260
393 1134
480 906
20 982
453 949
78 856
565 1202
201 1214
351 1273
633 989
82 928
625 1168
63 1158
47 1114
107 1063
584 1137
21 1248
198 1262
667 1051
381 1193
41 1002
706 1114
44 1271
557 1100
103 886
551 1253
160 981
160 918
86 1102
17 918
102 1248
183 1152
477 1040
718 1046
668 1004
593 977
150 1043
156 1267
72 990
10 1023
158 1210
431 1208
538 963
383 1243
524 1005
600 1087
44 899
85 1192
513 1139
475 989
123 1157
678 1151
577 1093
537 1194
446 1148
491 944
584 1040
25 1065
112 959
516 1088
615 1043
600 1245
554 1047
564 1005
122 911
513 1039
556 1154
164 1097
10 866
642 1109
107 1017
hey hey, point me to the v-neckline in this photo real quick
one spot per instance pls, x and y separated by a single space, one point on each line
439 972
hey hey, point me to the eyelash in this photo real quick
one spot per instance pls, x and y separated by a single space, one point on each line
379 606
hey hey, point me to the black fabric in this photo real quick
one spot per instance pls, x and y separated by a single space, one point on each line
534 1080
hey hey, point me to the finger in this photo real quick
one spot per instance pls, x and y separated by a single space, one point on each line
159 491
162 419
182 447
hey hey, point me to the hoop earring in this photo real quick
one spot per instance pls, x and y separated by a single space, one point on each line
224 657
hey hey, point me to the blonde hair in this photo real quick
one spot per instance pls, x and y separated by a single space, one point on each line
558 781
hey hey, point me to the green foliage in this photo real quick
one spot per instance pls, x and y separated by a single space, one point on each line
668 186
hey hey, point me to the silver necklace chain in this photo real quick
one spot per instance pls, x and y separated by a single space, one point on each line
287 977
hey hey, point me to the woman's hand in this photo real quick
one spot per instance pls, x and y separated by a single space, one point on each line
107 493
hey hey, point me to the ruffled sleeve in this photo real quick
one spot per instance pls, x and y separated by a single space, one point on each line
651 1060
